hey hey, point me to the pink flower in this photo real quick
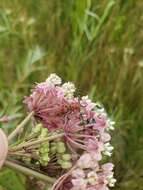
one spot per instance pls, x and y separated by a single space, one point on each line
79 184
100 122
108 167
95 147
99 187
86 161
105 137
49 105
78 173
86 102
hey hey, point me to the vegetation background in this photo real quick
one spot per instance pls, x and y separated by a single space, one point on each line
96 44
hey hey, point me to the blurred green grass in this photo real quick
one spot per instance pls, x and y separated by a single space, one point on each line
96 44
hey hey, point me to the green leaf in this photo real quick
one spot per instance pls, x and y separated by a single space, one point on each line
11 180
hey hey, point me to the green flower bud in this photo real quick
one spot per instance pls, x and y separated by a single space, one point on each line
44 150
53 144
45 158
60 147
44 132
60 144
26 160
45 145
66 165
61 150
60 161
66 157
43 163
53 149
37 128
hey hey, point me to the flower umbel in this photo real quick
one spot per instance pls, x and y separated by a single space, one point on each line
86 139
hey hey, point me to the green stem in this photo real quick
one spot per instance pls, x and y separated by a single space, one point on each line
29 172
6 119
28 144
20 126
19 154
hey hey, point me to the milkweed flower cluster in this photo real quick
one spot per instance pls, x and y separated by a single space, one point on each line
90 175
86 139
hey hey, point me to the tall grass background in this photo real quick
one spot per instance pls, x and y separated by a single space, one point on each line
96 44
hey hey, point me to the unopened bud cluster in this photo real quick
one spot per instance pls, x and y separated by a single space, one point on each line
63 157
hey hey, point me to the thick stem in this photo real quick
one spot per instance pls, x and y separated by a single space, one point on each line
28 144
20 126
29 172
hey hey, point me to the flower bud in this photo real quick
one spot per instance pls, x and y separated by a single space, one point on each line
61 147
44 133
66 157
66 165
53 149
61 150
37 128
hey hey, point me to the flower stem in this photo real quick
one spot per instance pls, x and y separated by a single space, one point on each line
28 144
29 172
19 154
6 119
20 126
60 180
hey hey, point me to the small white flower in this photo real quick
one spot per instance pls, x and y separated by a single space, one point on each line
87 101
110 124
100 109
86 98
69 89
111 181
108 149
54 79
92 178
